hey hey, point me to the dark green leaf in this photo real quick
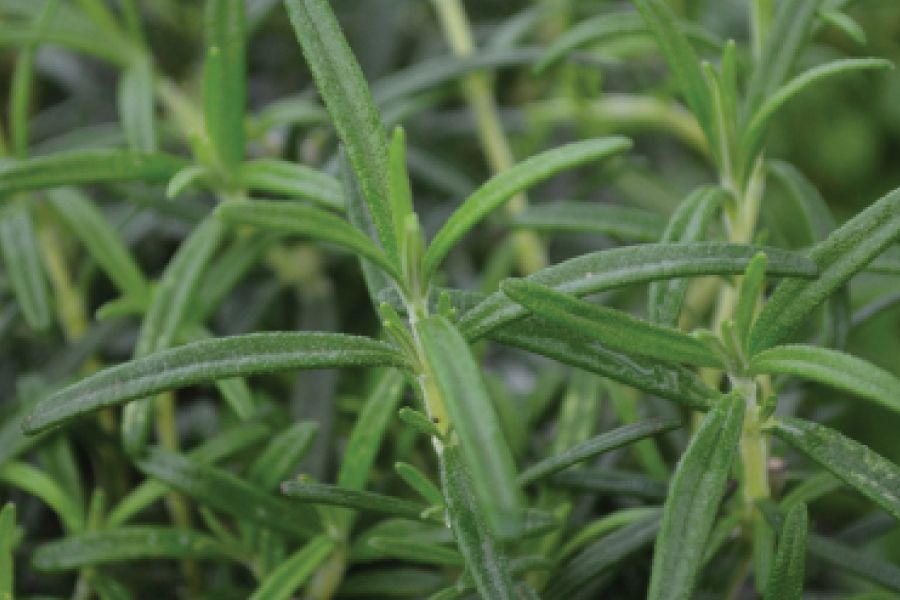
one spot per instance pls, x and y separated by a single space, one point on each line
618 330
621 222
610 482
786 579
204 361
41 484
22 258
510 182
842 254
332 495
282 455
283 582
858 466
87 166
694 497
125 544
617 267
220 490
7 550
136 108
419 482
341 84
599 444
416 552
293 180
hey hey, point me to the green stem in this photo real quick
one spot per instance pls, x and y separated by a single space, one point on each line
479 95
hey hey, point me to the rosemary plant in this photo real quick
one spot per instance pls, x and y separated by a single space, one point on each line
477 414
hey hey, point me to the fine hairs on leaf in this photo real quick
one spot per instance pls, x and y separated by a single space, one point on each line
449 299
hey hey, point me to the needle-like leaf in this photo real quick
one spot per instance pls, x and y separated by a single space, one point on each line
332 495
224 80
286 578
621 222
22 258
786 579
293 180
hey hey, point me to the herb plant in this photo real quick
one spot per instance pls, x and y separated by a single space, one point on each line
482 410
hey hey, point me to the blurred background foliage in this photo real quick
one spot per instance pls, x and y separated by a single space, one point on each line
844 134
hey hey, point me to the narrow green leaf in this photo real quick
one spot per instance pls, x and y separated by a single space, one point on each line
619 330
340 82
688 223
273 176
599 444
621 222
167 311
225 79
204 361
308 221
842 254
450 365
590 565
748 296
596 30
791 25
22 258
416 552
510 182
7 550
843 22
859 467
752 138
102 241
831 367
220 490
39 483
136 107
694 496
332 495
401 195
223 445
680 57
786 579
673 382
87 166
418 481
282 455
866 565
482 553
286 579
399 582
125 544
607 269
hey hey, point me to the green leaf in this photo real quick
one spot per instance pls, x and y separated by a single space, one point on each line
842 254
102 241
866 565
618 330
340 82
420 482
681 59
308 221
401 195
7 550
417 552
481 551
125 544
450 366
223 445
38 483
588 567
87 166
786 579
754 132
748 296
293 572
843 22
673 382
859 467
694 497
831 367
199 362
596 30
688 223
136 107
510 182
791 25
599 444
273 176
220 490
225 80
621 222
282 455
168 309
22 257
607 269
332 495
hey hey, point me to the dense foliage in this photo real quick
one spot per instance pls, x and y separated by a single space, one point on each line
551 300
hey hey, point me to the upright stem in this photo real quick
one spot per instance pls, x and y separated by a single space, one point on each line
480 97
